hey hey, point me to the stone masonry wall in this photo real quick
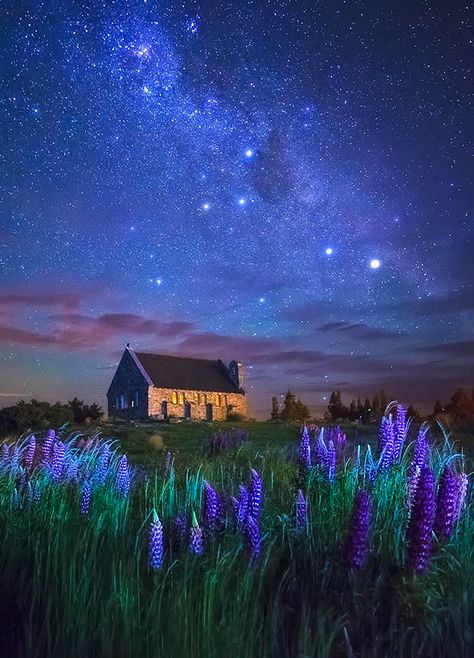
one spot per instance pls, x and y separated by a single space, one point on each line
198 406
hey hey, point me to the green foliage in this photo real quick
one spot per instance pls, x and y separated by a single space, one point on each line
294 409
37 415
80 586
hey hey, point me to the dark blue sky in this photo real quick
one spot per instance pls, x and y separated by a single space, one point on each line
286 183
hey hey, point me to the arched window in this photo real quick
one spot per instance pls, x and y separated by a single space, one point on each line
202 398
180 398
216 399
174 397
222 400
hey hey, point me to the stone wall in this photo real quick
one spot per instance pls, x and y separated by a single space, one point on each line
129 381
197 401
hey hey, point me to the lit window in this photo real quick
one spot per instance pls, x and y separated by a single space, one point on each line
216 399
174 398
180 398
222 400
202 398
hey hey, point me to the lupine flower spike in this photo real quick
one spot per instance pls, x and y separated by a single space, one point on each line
301 512
304 457
210 506
155 543
252 536
256 493
195 537
420 527
358 537
446 503
86 498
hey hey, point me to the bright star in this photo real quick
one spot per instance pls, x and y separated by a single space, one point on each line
206 206
159 282
375 263
328 251
261 300
242 201
248 153
146 90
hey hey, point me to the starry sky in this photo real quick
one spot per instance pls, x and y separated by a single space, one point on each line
287 183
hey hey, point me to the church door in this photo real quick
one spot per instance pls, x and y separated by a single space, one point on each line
164 409
187 410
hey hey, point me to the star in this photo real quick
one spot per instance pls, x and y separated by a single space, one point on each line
249 153
328 251
375 263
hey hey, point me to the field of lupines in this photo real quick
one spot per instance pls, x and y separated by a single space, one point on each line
326 549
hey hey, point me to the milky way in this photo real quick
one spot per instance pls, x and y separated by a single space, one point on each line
287 183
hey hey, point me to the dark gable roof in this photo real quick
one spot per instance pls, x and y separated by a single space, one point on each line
181 373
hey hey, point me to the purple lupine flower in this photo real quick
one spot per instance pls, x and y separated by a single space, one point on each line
155 543
446 503
256 493
382 435
57 465
122 481
420 452
331 461
47 446
86 498
301 511
210 506
15 460
304 456
252 536
320 450
5 452
72 468
29 455
462 491
420 527
400 432
358 536
102 466
195 538
412 484
180 529
388 451
241 505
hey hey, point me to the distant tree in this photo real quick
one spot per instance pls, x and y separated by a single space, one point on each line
366 410
293 408
360 408
275 414
376 406
383 401
438 408
82 412
301 410
460 406
336 408
413 414
352 411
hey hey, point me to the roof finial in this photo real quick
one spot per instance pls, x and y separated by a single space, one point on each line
128 346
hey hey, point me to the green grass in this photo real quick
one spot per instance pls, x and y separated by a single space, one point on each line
74 586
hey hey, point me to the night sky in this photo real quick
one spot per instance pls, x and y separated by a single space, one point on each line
285 183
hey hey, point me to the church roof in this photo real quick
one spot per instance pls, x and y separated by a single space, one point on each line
184 373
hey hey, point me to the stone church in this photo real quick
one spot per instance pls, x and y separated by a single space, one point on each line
157 386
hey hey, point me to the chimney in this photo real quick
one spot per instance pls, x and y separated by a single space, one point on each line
236 373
